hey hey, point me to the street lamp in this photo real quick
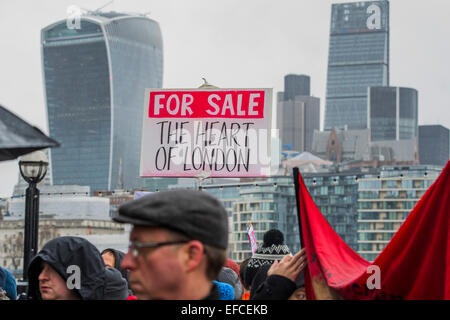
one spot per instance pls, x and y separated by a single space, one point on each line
33 168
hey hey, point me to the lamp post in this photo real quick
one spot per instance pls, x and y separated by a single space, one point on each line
33 168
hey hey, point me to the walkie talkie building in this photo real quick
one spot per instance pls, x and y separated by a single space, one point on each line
95 74
358 58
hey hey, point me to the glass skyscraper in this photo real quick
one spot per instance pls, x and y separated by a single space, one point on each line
434 147
296 85
95 76
358 58
393 113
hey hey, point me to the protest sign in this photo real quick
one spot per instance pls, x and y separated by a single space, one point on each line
225 132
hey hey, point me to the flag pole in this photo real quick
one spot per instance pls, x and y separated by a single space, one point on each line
296 173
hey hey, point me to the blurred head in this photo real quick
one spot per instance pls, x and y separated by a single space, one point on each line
242 267
166 270
8 283
109 259
177 245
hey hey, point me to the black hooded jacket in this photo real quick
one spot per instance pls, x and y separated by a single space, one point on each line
118 257
97 281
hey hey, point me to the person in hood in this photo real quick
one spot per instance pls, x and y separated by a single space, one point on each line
113 259
71 268
8 283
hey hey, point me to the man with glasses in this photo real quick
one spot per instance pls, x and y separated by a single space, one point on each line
177 245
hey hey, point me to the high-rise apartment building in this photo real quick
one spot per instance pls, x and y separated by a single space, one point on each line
268 204
385 200
95 74
358 58
336 196
392 113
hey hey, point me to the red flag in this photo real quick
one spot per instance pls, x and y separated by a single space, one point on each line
414 265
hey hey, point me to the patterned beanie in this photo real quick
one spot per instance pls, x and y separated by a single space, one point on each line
271 250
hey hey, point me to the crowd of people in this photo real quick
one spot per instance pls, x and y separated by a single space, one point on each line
177 251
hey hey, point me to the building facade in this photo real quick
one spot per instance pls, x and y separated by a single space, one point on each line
297 120
392 113
12 237
62 202
336 196
95 78
342 145
268 204
354 148
434 144
298 114
358 58
296 85
385 200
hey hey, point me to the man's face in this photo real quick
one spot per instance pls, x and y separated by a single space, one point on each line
108 259
52 286
156 273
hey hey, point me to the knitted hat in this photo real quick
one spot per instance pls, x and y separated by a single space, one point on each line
8 283
226 291
268 255
227 275
273 236
232 265
271 250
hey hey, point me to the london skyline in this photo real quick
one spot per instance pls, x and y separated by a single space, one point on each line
199 41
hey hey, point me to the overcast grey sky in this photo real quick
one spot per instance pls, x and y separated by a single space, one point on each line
233 43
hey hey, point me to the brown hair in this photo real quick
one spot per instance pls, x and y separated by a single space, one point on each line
215 257
215 260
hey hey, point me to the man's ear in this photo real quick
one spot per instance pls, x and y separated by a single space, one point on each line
193 255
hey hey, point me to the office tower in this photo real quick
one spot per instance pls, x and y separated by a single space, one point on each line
433 144
392 113
296 85
268 204
298 114
358 58
95 75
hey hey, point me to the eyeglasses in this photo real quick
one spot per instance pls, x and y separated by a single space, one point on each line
134 246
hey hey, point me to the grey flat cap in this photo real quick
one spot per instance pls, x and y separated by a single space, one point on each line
196 214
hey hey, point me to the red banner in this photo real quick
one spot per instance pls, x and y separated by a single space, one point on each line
414 265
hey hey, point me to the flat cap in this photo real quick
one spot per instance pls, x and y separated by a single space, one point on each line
196 214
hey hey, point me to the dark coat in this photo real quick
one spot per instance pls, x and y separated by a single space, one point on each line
274 287
97 281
